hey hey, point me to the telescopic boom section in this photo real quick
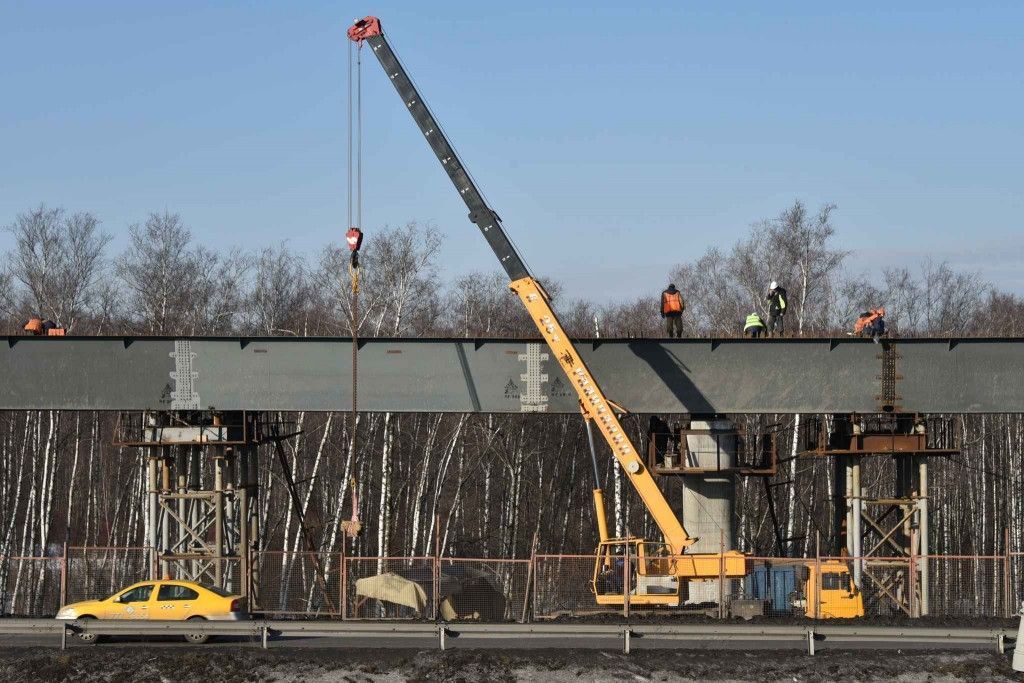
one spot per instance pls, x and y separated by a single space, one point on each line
483 216
592 400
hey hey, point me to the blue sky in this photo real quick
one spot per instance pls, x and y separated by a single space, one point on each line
615 140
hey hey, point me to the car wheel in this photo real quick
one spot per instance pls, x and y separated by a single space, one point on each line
196 638
90 638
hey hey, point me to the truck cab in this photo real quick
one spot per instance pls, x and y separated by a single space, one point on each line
822 590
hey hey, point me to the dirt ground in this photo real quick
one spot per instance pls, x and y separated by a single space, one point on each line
115 664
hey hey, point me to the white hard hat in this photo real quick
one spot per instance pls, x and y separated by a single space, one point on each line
773 285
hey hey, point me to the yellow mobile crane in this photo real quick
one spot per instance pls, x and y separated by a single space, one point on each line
661 568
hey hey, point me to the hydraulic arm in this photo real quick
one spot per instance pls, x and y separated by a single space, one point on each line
594 405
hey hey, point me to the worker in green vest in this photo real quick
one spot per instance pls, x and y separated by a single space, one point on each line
754 326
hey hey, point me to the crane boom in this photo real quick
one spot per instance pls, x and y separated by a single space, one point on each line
480 213
593 402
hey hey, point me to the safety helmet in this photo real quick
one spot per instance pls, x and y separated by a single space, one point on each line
773 285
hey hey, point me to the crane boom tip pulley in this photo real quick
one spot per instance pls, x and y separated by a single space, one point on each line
364 28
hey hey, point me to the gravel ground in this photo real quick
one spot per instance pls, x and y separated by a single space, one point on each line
115 664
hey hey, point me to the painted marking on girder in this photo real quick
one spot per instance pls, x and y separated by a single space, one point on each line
184 395
533 399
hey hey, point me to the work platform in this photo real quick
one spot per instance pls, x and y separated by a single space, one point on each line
698 376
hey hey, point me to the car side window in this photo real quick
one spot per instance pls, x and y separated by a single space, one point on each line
170 591
137 594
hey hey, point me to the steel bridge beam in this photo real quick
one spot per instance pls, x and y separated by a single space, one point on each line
507 376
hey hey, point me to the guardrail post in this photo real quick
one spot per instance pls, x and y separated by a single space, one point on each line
625 640
263 635
810 641
64 636
440 636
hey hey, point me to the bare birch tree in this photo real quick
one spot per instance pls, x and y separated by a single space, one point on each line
58 259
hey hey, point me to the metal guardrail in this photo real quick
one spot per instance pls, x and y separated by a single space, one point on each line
595 635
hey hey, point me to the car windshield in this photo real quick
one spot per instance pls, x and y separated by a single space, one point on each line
217 591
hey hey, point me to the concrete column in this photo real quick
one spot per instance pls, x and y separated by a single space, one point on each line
709 500
165 518
848 501
922 531
218 516
858 507
243 521
152 535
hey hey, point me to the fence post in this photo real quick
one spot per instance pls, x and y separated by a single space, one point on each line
64 576
529 572
625 582
721 574
341 580
1006 573
437 567
534 563
817 575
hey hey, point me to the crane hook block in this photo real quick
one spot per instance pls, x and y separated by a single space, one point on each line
354 237
367 27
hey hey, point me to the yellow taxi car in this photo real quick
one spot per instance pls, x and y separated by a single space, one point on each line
161 600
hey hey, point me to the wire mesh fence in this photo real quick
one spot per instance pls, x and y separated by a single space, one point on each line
545 587
395 588
30 586
300 583
485 590
97 573
564 585
969 586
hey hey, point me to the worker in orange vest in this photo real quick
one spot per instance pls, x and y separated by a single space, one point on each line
870 324
34 326
672 307
38 327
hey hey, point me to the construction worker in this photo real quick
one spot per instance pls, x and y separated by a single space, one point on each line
776 308
672 307
38 327
754 326
871 324
34 326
